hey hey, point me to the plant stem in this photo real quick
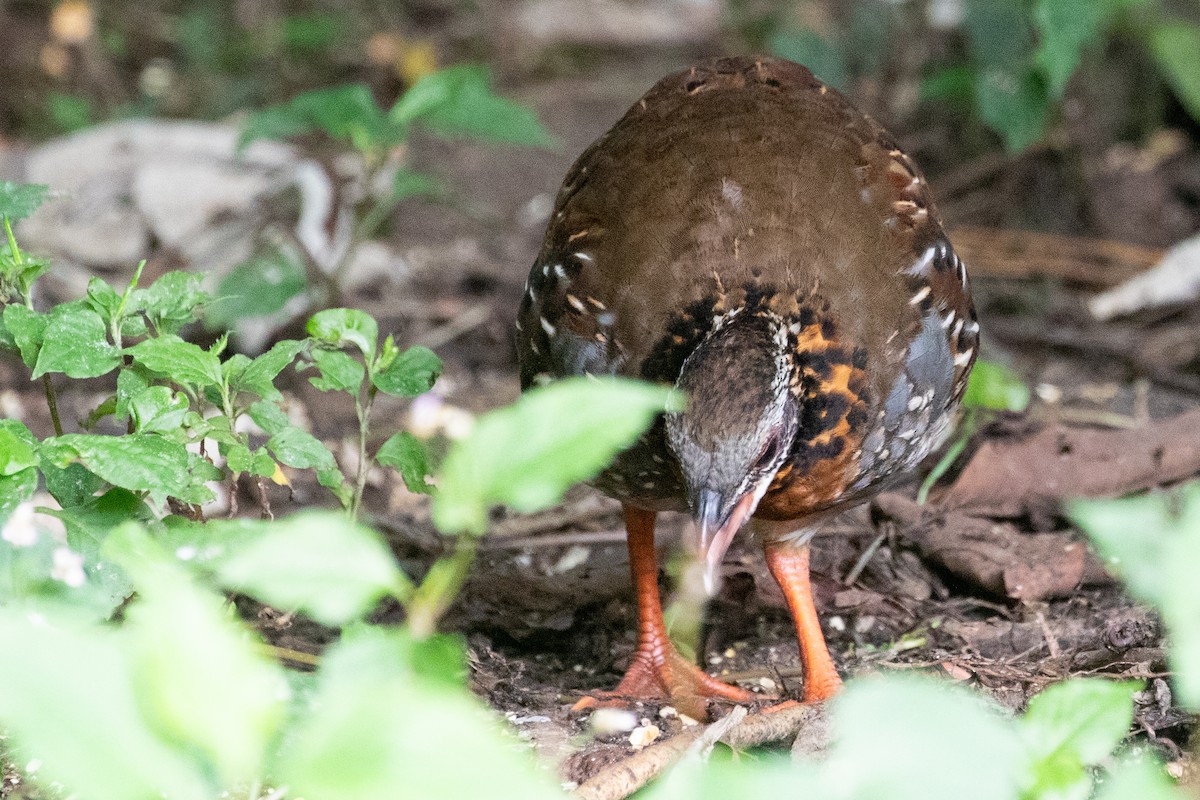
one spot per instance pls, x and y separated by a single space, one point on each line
441 585
52 402
362 407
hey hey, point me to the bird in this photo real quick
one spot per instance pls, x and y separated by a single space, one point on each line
745 235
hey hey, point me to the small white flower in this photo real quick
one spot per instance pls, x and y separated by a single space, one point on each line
20 531
68 567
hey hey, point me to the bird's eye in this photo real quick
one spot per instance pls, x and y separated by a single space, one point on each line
769 452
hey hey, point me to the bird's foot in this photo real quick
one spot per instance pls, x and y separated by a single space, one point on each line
662 674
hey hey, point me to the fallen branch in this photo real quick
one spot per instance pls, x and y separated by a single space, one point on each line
623 778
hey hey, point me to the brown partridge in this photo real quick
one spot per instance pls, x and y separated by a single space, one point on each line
745 234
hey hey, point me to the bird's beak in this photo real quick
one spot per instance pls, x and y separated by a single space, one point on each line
717 529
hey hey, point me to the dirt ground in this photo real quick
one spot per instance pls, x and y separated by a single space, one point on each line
548 611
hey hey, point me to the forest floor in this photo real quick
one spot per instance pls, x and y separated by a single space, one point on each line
987 584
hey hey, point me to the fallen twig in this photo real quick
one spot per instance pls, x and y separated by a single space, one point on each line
623 778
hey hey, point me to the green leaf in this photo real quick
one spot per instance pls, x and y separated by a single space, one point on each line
200 683
528 454
409 374
19 200
1066 27
381 728
348 113
182 362
138 462
320 563
171 302
340 372
256 288
75 343
408 184
458 101
823 56
131 381
994 386
342 327
71 485
103 299
77 707
908 738
259 375
1071 726
16 488
158 409
300 449
1174 46
954 85
1015 104
28 330
88 526
405 453
17 447
1139 776
1153 543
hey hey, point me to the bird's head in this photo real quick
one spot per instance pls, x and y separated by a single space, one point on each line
736 429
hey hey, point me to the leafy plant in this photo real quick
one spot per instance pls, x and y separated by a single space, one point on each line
1020 55
453 102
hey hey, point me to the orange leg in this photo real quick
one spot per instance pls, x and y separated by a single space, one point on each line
789 565
658 670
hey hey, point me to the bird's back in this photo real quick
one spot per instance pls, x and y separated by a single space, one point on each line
745 186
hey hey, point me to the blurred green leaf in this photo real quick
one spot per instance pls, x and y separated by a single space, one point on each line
405 453
408 184
1070 727
381 727
1153 543
909 738
994 386
410 373
73 703
1015 105
200 683
1066 28
319 563
527 454
1174 46
182 362
341 327
458 101
19 200
138 462
1139 776
88 525
75 342
256 288
70 112
348 113
312 33
954 85
825 57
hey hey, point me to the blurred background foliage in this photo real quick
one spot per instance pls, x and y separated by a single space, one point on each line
1015 70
